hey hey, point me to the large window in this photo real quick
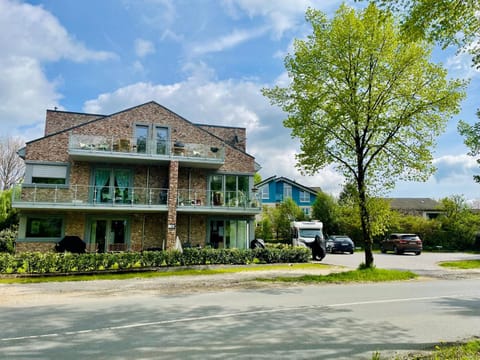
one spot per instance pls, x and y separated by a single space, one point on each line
113 185
229 190
46 174
44 227
287 191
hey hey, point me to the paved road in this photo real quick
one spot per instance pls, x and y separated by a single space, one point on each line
300 322
308 322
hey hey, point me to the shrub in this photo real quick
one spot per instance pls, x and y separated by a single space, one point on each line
41 263
7 239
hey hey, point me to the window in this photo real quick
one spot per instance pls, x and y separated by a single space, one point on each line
264 192
44 227
141 134
229 190
306 211
287 191
46 174
304 196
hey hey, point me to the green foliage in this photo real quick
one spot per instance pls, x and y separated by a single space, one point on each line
285 213
7 239
325 209
458 223
276 220
264 228
448 22
8 215
42 263
471 134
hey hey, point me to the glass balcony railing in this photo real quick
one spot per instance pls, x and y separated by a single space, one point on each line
85 196
91 144
78 195
225 199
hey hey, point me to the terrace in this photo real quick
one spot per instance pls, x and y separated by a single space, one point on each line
112 149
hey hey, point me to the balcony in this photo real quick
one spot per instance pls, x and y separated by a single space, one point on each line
97 148
116 199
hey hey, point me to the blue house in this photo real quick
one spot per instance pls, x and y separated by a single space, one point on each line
274 190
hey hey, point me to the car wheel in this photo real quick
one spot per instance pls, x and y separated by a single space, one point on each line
396 251
418 253
384 251
351 252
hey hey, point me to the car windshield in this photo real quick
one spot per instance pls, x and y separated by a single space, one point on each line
341 238
310 233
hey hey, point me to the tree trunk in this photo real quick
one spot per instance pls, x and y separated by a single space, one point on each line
365 222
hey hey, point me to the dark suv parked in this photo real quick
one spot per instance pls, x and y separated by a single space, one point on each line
401 243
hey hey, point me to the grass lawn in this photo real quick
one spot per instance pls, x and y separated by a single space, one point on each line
462 264
211 270
468 350
364 275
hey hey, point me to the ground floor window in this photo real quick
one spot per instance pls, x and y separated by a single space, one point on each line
44 227
108 234
229 234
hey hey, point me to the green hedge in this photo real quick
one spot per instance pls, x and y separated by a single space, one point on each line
42 263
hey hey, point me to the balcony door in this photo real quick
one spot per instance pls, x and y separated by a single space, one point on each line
229 234
113 185
108 234
152 139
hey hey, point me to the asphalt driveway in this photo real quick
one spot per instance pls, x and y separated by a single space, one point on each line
425 264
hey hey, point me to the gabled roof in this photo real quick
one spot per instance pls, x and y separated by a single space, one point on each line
276 179
413 203
103 117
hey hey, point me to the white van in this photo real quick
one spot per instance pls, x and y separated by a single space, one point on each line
309 234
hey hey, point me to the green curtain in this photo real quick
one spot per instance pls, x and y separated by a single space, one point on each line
102 177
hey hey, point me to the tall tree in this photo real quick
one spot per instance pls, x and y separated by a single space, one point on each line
11 165
367 101
446 22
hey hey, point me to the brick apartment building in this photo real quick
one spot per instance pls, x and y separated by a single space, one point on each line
136 180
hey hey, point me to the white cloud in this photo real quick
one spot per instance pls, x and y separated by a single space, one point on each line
33 32
144 47
227 42
30 37
280 15
460 66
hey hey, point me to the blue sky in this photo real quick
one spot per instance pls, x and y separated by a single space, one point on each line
204 59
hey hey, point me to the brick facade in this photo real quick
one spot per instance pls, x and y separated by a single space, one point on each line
152 224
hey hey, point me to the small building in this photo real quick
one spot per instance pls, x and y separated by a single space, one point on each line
134 180
274 190
424 207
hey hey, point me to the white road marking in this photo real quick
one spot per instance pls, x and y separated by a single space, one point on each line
227 315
